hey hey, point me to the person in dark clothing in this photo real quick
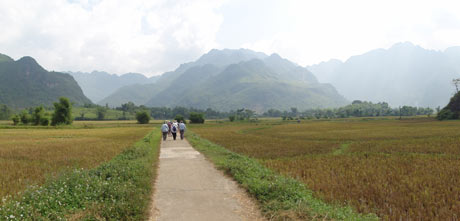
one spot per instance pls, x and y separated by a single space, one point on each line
174 130
169 126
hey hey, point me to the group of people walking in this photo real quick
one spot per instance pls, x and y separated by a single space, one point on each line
170 129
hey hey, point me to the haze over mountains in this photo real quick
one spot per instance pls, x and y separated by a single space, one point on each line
24 83
231 79
404 74
98 84
227 79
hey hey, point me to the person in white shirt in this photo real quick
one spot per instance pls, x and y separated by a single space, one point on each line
182 128
165 129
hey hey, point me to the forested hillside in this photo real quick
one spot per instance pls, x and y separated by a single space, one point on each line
230 79
24 83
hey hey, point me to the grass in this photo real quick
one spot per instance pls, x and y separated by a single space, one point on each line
281 198
29 155
341 150
397 169
116 190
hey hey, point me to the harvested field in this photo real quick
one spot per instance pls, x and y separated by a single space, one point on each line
29 155
406 168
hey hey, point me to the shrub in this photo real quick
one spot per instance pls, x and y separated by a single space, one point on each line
231 118
62 112
142 117
101 112
44 121
25 117
196 118
38 115
16 118
445 114
179 118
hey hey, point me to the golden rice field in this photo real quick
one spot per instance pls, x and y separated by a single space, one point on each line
29 154
397 169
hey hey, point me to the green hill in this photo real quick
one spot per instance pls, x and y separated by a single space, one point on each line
230 79
24 83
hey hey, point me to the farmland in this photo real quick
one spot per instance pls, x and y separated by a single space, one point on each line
28 155
396 169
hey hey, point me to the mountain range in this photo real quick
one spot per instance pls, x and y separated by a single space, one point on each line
24 83
404 74
231 79
98 84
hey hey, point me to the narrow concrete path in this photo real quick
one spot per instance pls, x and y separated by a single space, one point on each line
188 187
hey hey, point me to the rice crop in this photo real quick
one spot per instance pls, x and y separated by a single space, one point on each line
29 155
397 169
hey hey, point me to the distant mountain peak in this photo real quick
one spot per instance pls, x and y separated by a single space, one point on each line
226 79
275 55
30 63
277 62
224 57
28 60
99 72
227 52
404 46
24 83
333 61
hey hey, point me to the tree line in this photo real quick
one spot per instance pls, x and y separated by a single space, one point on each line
39 116
356 109
177 113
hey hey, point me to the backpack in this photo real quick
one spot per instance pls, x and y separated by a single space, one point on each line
174 129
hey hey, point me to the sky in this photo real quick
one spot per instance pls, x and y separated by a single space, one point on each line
154 36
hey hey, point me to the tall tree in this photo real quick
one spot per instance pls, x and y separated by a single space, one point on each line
5 112
456 83
62 112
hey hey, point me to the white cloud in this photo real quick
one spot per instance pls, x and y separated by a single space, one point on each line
153 36
321 30
112 35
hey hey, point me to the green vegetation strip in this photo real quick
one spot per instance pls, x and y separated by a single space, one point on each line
117 190
280 197
341 150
